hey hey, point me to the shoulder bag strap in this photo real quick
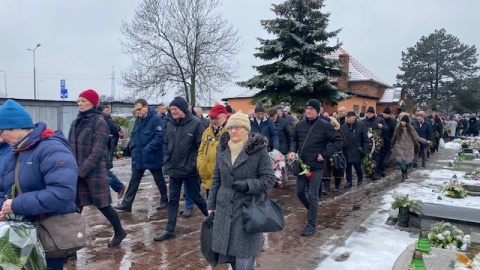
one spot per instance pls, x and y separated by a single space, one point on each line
306 138
17 183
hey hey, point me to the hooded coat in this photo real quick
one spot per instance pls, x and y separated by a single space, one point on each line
47 175
88 137
404 143
253 165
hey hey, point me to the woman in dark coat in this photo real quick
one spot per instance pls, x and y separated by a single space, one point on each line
88 138
330 170
403 141
243 170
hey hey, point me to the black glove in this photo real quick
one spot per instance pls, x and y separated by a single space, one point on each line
240 186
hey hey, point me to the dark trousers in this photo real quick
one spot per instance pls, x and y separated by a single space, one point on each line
134 183
310 199
422 153
358 170
55 264
385 154
193 185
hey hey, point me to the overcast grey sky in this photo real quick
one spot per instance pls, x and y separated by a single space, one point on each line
81 38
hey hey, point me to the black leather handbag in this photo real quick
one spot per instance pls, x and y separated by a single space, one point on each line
206 234
339 161
261 216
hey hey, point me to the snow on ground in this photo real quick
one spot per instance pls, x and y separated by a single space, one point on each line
380 245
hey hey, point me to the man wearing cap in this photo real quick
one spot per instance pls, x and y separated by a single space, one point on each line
314 153
375 122
386 151
146 148
207 151
283 130
357 147
184 136
265 126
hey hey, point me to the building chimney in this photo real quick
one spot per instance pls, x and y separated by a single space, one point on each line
343 80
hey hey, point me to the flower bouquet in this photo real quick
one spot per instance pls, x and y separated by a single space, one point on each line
375 141
402 200
368 164
121 122
118 153
473 175
20 248
445 235
305 169
454 189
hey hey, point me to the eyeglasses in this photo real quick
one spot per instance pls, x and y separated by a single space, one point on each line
234 128
139 109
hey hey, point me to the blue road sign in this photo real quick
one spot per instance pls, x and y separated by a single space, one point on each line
62 84
63 93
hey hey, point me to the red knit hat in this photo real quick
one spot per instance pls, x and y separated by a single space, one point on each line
91 96
217 110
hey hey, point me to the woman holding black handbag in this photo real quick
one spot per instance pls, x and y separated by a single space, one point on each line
243 170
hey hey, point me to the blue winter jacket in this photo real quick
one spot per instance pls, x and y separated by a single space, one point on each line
47 174
268 130
146 141
5 151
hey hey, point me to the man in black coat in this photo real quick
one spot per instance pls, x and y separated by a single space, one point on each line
357 147
424 130
313 152
182 140
375 122
283 131
386 151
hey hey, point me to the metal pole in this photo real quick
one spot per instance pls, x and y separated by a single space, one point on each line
34 72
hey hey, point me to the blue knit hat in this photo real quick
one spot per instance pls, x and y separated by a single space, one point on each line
13 115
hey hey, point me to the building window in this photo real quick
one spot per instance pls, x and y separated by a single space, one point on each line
356 109
364 109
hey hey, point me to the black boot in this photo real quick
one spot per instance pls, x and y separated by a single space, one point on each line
338 181
406 174
326 186
403 175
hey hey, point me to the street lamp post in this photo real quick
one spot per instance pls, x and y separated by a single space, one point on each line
34 73
5 80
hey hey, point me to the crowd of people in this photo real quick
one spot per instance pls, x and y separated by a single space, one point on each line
221 161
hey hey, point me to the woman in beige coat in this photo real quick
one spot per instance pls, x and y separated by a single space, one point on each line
403 144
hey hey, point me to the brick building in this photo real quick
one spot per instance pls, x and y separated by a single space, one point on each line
365 88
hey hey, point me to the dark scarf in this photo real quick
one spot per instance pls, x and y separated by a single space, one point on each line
217 130
86 113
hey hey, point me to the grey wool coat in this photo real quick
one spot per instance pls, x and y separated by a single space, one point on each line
253 165
403 143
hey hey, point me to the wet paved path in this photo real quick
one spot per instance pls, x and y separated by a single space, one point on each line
340 214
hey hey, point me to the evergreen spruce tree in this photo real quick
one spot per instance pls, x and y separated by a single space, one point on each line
298 69
437 70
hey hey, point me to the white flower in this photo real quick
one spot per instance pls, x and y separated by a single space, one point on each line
446 233
440 237
459 238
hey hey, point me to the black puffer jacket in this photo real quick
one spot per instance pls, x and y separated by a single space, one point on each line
357 141
181 146
284 134
322 134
